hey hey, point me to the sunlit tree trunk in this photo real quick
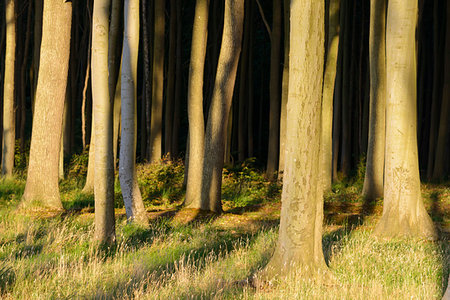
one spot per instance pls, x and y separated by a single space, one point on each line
195 105
403 211
42 188
103 126
158 83
220 106
134 205
9 126
328 93
373 180
299 247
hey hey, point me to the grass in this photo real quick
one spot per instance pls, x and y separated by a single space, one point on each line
211 257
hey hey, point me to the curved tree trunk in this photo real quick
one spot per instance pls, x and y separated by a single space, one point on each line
158 83
299 247
195 105
45 146
328 93
9 125
103 126
403 211
220 106
274 115
373 180
127 165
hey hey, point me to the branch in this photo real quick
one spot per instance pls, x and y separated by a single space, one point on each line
261 12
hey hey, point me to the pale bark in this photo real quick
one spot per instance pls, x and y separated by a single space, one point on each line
103 126
274 91
9 126
328 94
195 145
38 11
299 247
220 106
158 83
373 180
134 205
41 189
403 211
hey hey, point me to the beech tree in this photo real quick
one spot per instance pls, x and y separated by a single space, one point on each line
40 190
127 171
403 211
299 243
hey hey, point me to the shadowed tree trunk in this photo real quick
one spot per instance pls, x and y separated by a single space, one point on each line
328 93
178 83
195 106
9 126
103 126
373 180
403 211
299 247
158 83
147 87
127 165
42 188
220 106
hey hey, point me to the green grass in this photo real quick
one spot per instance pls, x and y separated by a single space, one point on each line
54 258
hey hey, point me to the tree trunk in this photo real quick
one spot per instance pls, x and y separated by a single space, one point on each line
134 205
274 115
103 126
178 83
328 93
373 180
438 170
299 247
403 211
42 188
251 100
158 83
196 137
9 125
38 11
220 106
147 85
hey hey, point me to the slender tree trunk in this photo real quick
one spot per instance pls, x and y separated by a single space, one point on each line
438 170
158 83
38 11
328 93
117 103
147 84
284 90
89 185
103 126
127 166
274 115
251 101
220 106
299 247
403 211
373 180
178 83
196 138
42 188
9 126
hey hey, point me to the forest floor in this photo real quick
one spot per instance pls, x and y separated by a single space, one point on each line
185 254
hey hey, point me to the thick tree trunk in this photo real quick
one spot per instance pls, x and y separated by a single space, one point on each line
274 115
103 126
299 247
158 83
328 93
220 106
403 211
9 126
195 145
134 205
373 180
41 188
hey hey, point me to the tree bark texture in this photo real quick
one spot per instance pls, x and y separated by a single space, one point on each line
220 106
299 246
43 190
373 180
134 205
103 126
403 211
